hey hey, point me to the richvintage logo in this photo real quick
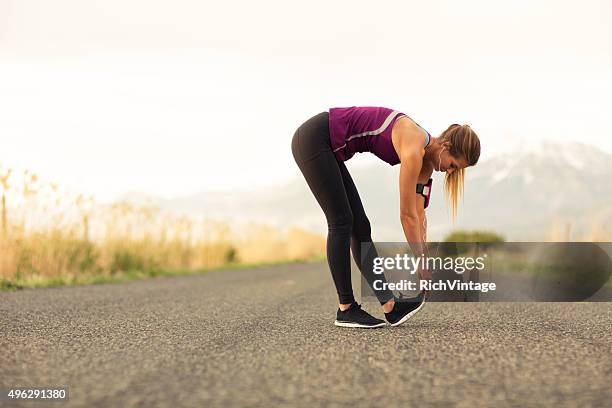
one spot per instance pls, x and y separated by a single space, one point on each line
489 271
410 264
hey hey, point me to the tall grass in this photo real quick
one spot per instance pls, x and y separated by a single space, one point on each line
568 231
49 235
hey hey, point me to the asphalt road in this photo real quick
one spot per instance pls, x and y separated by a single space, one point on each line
265 337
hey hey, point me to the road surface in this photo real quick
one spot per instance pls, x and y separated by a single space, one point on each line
265 337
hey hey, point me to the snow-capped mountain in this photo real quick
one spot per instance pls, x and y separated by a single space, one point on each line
526 194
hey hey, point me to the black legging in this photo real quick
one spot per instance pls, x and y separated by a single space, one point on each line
335 191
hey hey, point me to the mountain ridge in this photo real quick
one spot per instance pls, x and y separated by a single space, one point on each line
521 194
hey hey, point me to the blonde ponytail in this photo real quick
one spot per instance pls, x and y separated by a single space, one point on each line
464 144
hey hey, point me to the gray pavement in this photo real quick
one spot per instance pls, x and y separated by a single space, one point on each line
265 337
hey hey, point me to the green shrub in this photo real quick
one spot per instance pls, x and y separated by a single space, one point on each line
474 236
125 261
230 255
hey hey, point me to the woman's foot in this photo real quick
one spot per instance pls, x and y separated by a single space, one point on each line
354 316
404 309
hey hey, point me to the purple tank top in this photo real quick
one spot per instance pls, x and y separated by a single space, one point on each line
359 129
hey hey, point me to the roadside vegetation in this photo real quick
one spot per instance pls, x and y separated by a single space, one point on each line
50 237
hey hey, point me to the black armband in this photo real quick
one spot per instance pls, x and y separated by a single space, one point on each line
425 191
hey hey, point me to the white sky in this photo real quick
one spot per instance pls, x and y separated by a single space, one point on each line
182 96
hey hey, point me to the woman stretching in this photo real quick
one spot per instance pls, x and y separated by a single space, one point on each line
320 147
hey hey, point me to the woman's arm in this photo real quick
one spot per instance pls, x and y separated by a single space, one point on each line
422 217
410 151
408 144
412 211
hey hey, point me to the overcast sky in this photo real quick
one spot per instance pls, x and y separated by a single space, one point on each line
180 96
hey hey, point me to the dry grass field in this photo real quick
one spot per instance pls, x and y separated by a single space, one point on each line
51 236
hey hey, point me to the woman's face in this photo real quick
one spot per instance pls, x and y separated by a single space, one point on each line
448 163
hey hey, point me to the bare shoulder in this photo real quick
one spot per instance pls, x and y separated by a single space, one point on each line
406 138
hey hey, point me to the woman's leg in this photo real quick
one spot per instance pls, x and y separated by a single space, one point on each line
362 232
313 155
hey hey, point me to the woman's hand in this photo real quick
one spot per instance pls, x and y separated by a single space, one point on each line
424 275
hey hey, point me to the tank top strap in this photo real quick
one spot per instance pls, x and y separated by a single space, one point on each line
427 137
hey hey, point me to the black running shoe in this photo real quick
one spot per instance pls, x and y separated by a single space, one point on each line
404 309
354 316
